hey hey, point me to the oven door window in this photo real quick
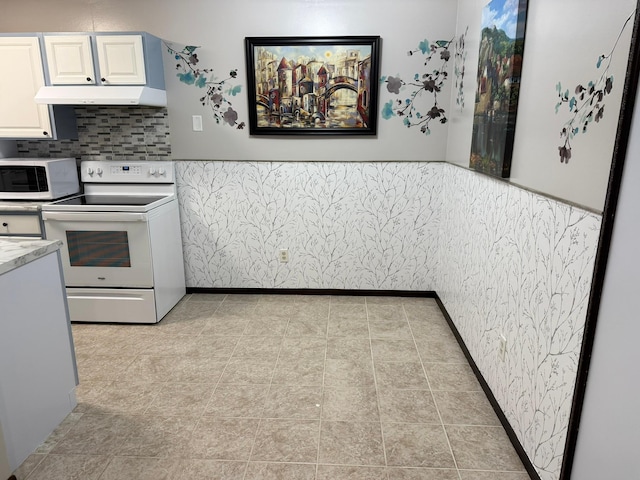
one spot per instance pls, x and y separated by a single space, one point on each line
103 249
98 249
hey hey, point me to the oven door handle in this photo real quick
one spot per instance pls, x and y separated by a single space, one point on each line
95 216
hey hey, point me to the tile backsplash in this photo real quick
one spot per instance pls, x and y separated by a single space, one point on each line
110 133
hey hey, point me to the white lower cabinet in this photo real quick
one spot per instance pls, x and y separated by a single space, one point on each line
38 375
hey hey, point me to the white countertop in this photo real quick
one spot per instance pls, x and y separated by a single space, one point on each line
17 251
21 205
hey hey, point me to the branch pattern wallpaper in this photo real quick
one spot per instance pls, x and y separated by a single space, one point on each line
517 264
346 225
503 260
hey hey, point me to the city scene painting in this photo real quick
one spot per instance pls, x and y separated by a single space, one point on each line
313 85
498 87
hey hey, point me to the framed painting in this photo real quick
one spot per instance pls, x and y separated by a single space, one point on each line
313 85
498 86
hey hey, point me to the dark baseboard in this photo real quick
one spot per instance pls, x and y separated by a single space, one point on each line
531 470
400 293
315 291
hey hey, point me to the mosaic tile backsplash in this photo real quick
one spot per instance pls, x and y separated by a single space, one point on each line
110 133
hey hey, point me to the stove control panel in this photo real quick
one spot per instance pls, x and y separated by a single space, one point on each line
126 172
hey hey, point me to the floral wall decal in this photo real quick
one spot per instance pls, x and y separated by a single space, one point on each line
459 60
217 92
586 103
421 106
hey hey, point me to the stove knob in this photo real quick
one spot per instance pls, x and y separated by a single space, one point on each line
162 171
152 171
90 171
99 171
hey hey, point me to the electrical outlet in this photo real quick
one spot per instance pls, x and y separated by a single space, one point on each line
503 347
284 255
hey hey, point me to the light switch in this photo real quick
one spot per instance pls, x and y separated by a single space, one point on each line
197 123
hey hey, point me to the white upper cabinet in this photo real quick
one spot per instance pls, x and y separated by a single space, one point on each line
104 58
21 76
121 59
69 60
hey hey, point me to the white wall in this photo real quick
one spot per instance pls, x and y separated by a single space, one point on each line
219 28
610 425
517 264
402 24
562 44
564 40
461 119
346 225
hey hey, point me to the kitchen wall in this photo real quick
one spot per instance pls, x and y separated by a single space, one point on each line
517 264
346 225
384 212
568 44
608 436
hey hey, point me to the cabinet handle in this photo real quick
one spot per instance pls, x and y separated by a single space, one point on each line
88 79
103 79
46 134
5 224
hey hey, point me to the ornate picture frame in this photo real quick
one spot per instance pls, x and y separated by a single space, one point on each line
313 85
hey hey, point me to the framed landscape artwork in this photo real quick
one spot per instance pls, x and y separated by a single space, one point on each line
498 86
313 85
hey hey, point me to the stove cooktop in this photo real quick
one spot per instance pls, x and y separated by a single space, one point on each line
114 200
108 203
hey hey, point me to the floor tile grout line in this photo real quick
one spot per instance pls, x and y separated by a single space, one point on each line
424 371
30 474
375 383
246 468
324 372
203 413
230 356
255 436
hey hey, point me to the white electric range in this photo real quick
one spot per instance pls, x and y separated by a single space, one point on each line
122 253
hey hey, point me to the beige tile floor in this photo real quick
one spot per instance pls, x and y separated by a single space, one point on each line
277 387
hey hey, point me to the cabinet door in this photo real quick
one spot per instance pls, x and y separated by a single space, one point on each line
21 76
69 60
121 59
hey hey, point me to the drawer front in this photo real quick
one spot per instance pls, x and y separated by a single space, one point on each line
20 225
125 305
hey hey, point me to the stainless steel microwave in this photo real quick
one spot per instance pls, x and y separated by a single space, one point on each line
38 178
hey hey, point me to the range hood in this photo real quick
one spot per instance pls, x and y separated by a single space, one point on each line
102 95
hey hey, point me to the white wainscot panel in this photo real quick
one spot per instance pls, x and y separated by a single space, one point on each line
519 265
346 225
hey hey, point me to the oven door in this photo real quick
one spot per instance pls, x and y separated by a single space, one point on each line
102 249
